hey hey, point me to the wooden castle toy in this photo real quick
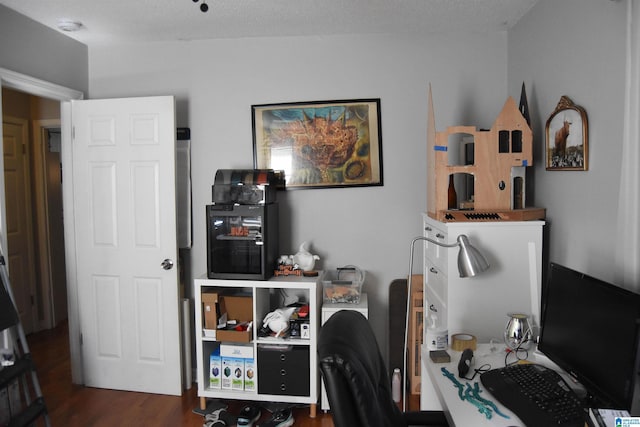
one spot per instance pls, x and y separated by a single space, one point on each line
492 172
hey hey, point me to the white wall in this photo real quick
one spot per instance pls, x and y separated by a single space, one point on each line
576 48
33 49
216 82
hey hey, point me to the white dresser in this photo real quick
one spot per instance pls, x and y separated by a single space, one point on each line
479 305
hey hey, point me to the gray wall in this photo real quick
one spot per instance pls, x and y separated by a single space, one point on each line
216 82
35 50
576 48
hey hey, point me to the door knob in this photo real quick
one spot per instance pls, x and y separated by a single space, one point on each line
167 264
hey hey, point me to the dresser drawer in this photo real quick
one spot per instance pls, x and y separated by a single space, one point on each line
437 254
283 370
437 281
435 306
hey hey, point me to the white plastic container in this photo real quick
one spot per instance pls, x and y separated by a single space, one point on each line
437 337
396 386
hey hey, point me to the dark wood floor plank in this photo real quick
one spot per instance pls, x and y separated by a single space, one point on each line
73 405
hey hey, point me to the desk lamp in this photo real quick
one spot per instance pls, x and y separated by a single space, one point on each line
470 263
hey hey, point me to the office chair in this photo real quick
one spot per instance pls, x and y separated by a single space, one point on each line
356 379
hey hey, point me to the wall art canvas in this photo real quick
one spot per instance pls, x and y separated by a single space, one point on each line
320 143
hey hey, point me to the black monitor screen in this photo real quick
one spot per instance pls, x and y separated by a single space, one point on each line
590 329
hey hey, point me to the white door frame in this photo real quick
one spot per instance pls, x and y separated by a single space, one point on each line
41 209
37 87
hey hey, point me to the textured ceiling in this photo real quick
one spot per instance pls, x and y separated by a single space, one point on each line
108 21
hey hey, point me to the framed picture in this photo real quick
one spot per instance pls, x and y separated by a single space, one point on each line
320 143
567 137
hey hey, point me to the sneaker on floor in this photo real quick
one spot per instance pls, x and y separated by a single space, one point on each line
214 415
248 415
280 418
223 419
228 419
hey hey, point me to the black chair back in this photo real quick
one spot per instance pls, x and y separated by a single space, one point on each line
354 373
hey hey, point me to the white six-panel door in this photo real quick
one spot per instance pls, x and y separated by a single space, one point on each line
125 215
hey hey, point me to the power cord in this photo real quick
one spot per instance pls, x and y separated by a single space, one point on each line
519 352
480 370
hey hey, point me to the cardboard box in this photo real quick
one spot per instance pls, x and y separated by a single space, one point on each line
416 330
239 308
299 329
240 358
237 381
227 372
250 374
215 369
210 309
236 350
415 344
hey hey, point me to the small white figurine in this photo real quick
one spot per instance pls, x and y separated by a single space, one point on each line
304 259
278 320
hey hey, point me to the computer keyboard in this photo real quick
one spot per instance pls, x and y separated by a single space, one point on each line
537 395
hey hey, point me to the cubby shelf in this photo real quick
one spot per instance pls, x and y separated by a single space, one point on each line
267 295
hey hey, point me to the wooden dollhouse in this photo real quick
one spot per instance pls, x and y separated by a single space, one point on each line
492 171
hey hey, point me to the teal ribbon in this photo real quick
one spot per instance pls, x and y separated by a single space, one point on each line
472 395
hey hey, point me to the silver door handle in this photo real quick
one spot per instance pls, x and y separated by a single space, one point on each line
167 264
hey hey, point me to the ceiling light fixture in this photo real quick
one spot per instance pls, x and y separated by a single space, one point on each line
69 25
203 7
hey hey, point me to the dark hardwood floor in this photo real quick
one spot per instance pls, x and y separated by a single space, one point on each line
74 405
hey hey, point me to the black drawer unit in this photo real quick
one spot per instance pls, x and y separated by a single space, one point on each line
283 370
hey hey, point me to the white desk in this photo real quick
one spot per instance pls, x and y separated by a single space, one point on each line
444 395
437 392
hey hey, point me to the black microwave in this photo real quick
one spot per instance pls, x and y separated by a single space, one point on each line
242 241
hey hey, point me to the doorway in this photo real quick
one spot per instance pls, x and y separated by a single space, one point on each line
50 220
65 96
62 95
34 208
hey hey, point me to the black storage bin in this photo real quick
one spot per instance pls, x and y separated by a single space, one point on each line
283 370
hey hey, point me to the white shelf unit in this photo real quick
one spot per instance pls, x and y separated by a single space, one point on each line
265 296
479 305
328 310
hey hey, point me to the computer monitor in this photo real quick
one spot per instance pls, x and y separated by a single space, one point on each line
591 329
